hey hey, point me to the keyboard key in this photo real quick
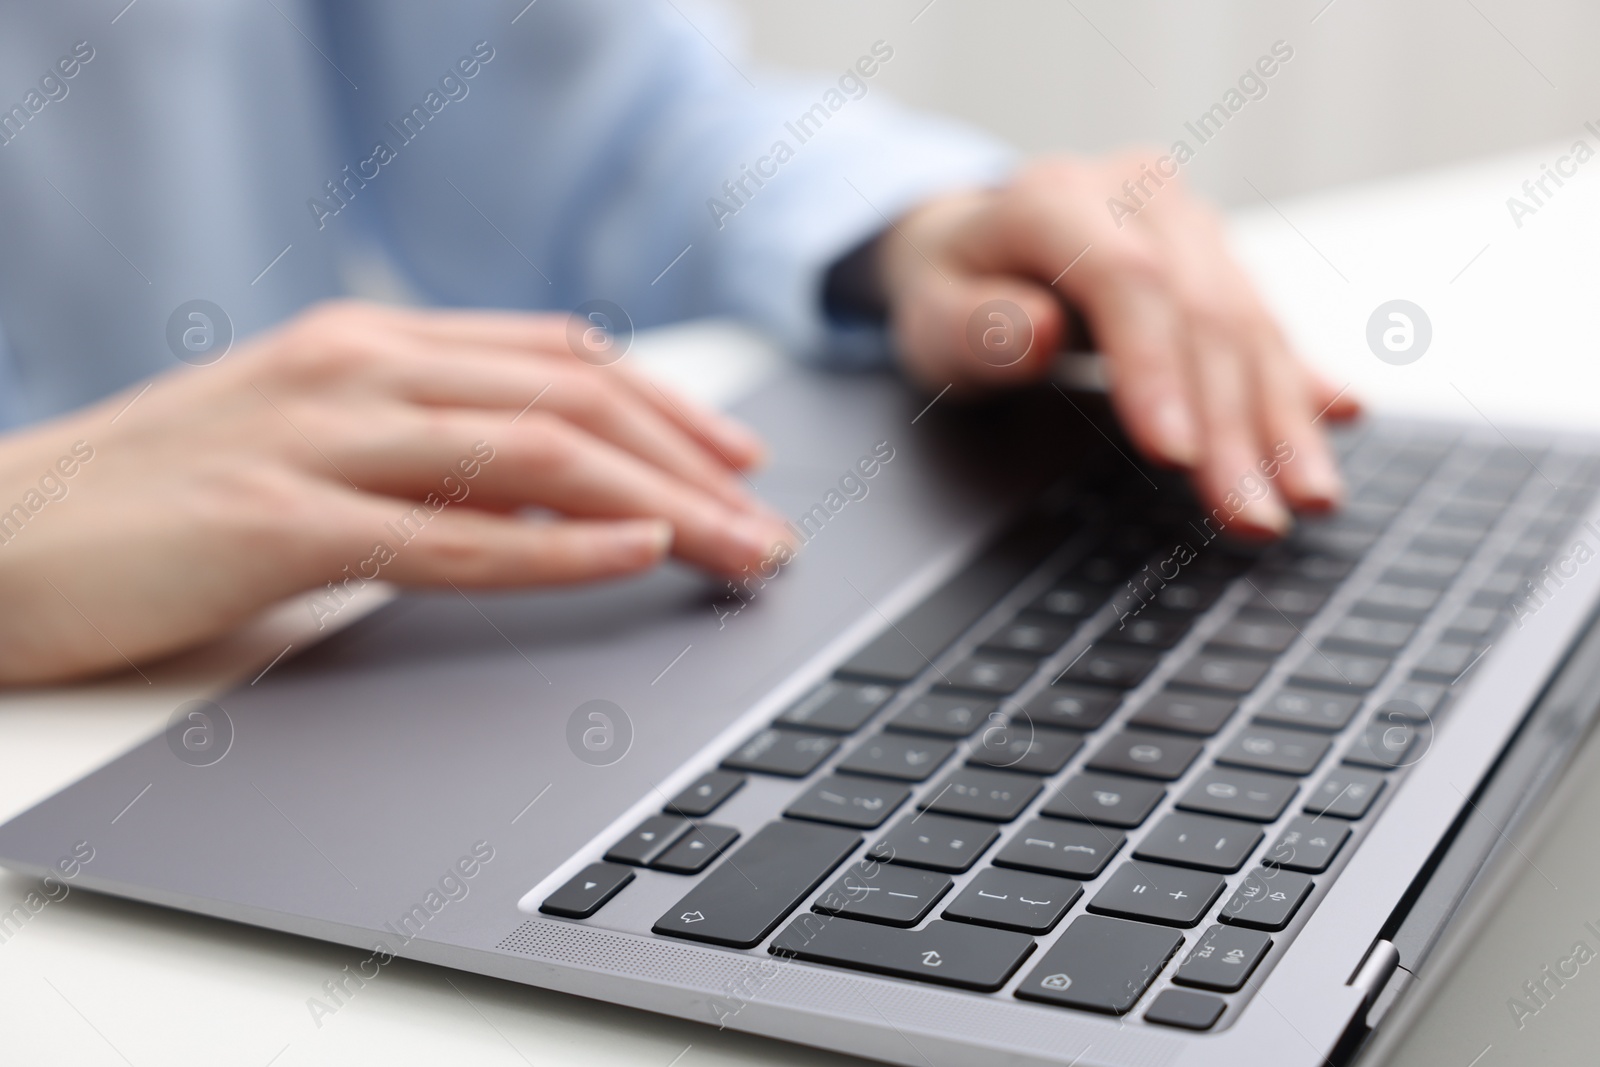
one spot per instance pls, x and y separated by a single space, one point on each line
1025 750
1240 794
1185 713
1146 755
787 859
1266 900
1200 841
1268 748
1101 964
907 759
1340 670
705 794
954 954
1473 623
1104 800
1053 846
1014 900
935 842
1309 709
1191 1011
837 707
1116 666
1371 635
1260 634
1445 661
1190 596
649 840
1070 601
1414 702
695 850
1307 845
988 674
1070 707
1292 599
846 800
1310 566
980 793
1030 637
587 891
883 893
1149 629
1386 744
1345 793
787 753
942 715
1388 601
1224 674
1223 959
1154 892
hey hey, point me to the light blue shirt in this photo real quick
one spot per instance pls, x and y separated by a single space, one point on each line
507 156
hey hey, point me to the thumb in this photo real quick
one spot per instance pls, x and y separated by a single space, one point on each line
980 331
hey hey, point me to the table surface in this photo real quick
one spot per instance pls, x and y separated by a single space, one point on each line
92 980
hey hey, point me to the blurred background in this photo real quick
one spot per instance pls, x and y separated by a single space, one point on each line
1373 88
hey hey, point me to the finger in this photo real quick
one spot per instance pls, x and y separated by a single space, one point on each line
549 335
980 331
1334 403
1230 476
587 398
474 550
1308 474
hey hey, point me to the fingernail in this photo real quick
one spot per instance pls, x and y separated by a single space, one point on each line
643 541
1175 430
760 538
1267 515
741 441
1320 478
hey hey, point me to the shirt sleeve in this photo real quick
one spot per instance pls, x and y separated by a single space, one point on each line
629 151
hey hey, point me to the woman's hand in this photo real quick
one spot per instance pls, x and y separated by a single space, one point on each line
356 441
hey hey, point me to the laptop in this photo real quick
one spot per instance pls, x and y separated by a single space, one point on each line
1019 759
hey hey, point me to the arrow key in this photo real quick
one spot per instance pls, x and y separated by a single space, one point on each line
695 851
590 888
649 840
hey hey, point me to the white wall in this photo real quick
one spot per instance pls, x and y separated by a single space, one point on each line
1375 86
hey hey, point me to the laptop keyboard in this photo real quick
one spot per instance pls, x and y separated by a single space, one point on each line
1064 769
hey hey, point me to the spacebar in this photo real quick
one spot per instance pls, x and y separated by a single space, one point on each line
744 899
972 957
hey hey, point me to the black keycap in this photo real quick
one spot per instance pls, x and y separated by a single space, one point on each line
787 753
1116 666
705 794
1070 601
1445 661
1185 713
1023 748
837 707
587 890
1014 900
942 715
1189 596
1150 628
1404 602
1223 674
1147 755
982 793
786 859
1200 841
1414 701
1346 793
1267 899
1101 964
988 674
1309 709
907 759
1240 794
1030 637
954 954
1054 846
1340 670
1474 623
1421 577
1435 567
1268 748
1386 744
695 850
884 893
935 842
1154 892
1307 845
1105 800
1370 635
1262 634
1070 707
1223 959
1191 1011
649 839
846 800
1295 600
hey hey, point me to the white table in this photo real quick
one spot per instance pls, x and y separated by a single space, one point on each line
91 980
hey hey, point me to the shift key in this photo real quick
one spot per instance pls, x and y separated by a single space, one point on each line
747 896
970 957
